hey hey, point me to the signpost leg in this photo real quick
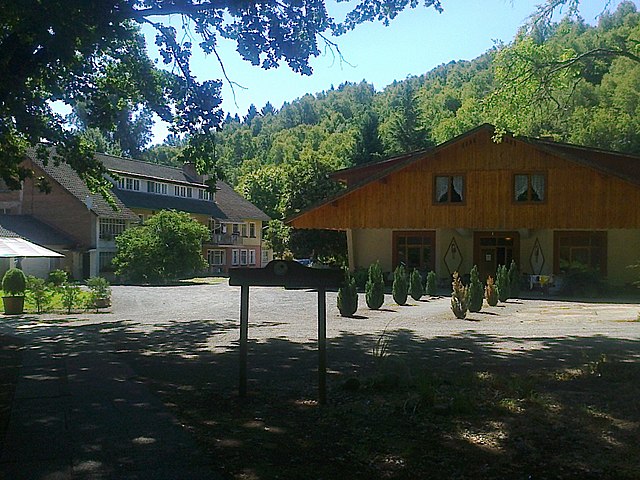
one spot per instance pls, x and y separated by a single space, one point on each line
322 346
244 338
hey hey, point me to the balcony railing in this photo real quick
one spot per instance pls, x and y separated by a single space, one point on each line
225 239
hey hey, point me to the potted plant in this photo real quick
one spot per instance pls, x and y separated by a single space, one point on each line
100 292
14 284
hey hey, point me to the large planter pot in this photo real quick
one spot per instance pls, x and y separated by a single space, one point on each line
13 305
102 302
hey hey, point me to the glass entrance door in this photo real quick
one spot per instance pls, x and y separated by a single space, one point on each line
492 249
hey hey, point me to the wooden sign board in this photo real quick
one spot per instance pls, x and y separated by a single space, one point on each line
285 273
288 274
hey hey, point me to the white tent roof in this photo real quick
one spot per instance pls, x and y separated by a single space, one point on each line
19 247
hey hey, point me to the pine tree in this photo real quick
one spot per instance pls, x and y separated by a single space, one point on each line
400 287
514 280
476 291
502 283
431 287
374 289
459 297
415 285
490 293
348 296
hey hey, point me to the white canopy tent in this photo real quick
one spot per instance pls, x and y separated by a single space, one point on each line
19 247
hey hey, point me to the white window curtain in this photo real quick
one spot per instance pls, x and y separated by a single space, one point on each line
457 189
442 189
537 188
521 188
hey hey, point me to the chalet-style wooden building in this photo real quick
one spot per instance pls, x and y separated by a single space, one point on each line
473 200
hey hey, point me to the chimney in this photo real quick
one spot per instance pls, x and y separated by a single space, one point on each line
189 169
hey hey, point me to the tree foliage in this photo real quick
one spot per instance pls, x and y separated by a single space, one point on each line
168 246
374 288
90 54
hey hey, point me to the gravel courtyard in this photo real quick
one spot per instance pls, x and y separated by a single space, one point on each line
201 321
532 388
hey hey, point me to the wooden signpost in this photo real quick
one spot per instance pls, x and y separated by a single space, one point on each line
288 274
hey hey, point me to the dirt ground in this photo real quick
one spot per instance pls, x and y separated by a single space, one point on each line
532 388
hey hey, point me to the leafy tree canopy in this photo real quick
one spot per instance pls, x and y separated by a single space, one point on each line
90 54
168 246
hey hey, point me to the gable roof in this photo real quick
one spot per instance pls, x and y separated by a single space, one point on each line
146 169
229 205
624 166
69 179
32 229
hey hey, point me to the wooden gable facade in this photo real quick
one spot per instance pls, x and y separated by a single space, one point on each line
464 198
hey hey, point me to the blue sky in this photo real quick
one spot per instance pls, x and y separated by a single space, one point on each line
414 43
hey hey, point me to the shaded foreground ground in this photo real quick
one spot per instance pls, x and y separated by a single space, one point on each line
531 389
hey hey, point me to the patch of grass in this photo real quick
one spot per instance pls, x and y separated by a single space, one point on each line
204 280
435 423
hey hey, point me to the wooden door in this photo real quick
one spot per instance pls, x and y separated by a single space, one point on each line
492 249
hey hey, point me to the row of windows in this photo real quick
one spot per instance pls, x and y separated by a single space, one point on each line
110 228
527 188
238 257
161 188
239 229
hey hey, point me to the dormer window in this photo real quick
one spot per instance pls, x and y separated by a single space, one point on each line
128 183
449 189
529 187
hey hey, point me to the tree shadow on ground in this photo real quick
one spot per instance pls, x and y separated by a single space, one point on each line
565 409
470 405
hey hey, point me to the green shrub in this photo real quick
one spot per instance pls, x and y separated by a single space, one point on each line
360 275
581 280
374 290
57 277
514 280
415 285
502 283
431 286
14 283
39 293
100 292
491 293
400 288
348 296
71 294
459 297
476 291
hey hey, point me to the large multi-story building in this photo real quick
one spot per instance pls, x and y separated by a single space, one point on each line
140 189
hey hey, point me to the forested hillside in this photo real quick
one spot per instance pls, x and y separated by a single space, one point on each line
577 83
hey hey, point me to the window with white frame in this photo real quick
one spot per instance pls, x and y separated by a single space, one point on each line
156 187
204 194
235 256
110 228
265 257
104 261
252 229
128 183
243 257
216 257
236 229
244 230
252 257
189 192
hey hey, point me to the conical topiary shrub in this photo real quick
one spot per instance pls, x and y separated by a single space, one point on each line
502 283
400 288
476 291
415 285
431 286
514 280
348 296
374 289
459 297
491 293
